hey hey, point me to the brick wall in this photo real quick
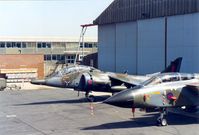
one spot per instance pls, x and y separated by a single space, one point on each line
18 61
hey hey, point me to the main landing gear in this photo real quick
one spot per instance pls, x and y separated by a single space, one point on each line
162 121
90 98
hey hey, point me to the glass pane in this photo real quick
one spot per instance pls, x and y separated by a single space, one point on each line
49 57
43 45
9 45
2 45
48 45
23 45
38 45
18 45
54 57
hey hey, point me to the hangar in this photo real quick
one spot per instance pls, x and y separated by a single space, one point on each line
143 36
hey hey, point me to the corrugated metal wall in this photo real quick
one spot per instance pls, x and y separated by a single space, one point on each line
106 49
126 47
151 46
140 46
183 40
131 10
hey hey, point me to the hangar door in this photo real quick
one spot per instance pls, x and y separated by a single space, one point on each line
126 47
183 40
151 46
106 48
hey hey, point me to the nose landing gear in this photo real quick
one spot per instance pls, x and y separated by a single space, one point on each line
162 121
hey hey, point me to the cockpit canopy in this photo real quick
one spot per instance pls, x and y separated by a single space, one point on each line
71 69
167 77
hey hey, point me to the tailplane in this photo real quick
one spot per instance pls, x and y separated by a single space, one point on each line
174 66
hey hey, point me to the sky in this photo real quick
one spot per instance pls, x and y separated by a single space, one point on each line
59 18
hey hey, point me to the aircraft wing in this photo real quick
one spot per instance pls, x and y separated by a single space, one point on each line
193 85
193 88
129 80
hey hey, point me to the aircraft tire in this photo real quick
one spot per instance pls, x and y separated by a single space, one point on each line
163 122
91 98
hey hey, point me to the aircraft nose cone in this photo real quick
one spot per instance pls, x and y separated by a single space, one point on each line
55 82
38 82
123 99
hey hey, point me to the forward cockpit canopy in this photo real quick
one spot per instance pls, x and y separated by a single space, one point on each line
71 69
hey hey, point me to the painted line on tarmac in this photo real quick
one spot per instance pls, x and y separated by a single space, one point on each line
11 116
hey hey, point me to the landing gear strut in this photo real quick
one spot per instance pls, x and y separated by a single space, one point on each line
90 98
162 121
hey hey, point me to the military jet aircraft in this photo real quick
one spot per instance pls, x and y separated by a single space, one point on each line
115 82
88 79
163 91
67 77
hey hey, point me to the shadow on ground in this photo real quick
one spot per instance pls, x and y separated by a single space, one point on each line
145 121
70 101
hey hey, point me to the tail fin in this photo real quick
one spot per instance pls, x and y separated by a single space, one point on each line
174 66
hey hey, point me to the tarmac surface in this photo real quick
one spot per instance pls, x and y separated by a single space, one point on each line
61 112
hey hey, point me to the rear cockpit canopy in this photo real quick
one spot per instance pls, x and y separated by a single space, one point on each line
167 77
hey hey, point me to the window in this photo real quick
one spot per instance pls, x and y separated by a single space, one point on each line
58 57
9 45
54 57
23 45
45 57
18 45
48 45
152 81
62 57
174 78
86 45
2 44
43 45
13 45
187 77
95 45
81 45
38 45
30 45
48 57
70 59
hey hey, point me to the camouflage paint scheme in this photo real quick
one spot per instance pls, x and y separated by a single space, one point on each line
86 78
156 92
166 90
